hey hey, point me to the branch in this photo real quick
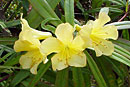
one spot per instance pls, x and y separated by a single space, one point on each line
125 15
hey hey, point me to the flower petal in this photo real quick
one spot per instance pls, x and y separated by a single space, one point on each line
25 62
102 19
51 45
58 63
85 34
24 45
29 38
78 43
64 32
103 47
40 35
33 70
31 60
77 60
25 25
107 32
26 29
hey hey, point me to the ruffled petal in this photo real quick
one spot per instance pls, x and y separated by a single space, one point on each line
77 60
31 60
64 33
103 47
102 19
110 31
107 32
51 45
58 63
85 34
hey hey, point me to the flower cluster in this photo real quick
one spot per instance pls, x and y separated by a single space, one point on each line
67 46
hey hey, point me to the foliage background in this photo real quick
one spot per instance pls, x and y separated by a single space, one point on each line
45 15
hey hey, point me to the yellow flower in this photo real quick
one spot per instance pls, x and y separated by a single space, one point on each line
96 35
29 41
69 50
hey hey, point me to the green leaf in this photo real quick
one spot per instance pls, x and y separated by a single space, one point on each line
48 27
53 3
118 2
19 77
69 11
41 72
12 23
44 9
2 24
62 78
117 67
107 73
120 58
5 57
50 76
78 77
121 25
1 51
122 51
13 59
34 18
7 40
9 23
96 3
8 49
87 76
123 43
95 70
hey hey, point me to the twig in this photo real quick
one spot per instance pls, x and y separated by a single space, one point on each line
124 15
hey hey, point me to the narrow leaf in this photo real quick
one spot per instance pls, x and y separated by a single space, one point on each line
19 77
120 58
96 72
69 11
44 9
78 77
62 78
34 18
